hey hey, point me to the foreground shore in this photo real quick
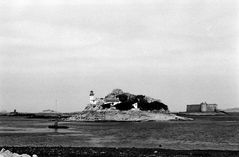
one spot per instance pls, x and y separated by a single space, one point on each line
107 152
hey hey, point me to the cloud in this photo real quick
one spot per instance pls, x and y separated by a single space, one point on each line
160 44
26 33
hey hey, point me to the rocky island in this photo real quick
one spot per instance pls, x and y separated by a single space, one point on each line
124 106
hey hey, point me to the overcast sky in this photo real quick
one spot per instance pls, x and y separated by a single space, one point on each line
180 51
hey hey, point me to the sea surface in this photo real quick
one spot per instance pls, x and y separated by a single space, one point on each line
205 132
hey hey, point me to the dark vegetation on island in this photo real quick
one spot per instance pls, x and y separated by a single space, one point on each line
127 102
117 152
124 101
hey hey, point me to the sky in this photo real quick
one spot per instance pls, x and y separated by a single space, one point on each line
180 51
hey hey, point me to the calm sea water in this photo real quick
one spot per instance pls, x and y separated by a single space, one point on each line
218 132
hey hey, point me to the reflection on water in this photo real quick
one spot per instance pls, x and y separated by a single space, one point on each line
204 133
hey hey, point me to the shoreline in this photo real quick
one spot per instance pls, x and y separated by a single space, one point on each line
114 151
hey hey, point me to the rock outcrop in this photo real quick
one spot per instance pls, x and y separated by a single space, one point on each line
131 115
122 106
7 153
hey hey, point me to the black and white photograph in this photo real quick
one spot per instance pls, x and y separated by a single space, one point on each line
119 78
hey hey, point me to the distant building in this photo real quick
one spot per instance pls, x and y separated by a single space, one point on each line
110 100
14 113
203 107
92 97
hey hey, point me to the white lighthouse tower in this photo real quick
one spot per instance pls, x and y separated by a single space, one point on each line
92 97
